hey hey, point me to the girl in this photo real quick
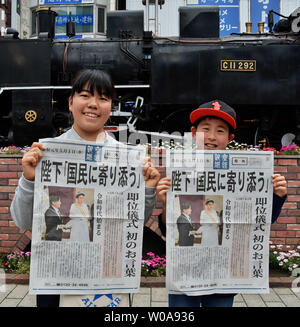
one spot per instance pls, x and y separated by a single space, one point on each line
90 104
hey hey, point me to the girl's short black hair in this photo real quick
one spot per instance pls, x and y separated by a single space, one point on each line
96 79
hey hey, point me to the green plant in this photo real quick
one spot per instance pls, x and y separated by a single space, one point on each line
284 260
233 145
290 149
14 150
17 262
153 265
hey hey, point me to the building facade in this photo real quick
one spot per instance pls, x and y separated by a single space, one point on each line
90 15
5 15
233 13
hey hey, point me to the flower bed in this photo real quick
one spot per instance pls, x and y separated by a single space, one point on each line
13 150
153 265
284 260
17 262
153 271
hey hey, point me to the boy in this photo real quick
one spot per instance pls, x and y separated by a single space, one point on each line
217 121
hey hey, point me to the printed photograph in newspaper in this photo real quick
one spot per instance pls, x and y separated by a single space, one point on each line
69 214
199 220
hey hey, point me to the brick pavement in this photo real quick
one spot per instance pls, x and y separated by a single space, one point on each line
16 295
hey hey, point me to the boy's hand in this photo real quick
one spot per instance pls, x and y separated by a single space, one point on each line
150 173
162 188
31 159
279 185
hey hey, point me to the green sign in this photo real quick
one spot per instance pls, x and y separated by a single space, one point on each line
18 7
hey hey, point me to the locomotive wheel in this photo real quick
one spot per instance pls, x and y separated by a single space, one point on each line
30 116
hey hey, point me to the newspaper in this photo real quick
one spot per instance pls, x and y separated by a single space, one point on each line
218 221
89 240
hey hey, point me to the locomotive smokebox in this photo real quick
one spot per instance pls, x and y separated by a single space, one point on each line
45 21
199 22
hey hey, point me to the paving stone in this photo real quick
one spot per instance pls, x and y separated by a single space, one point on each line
159 304
18 292
275 304
141 300
296 291
271 297
290 300
239 304
8 289
238 298
253 300
28 301
159 294
10 303
283 291
145 290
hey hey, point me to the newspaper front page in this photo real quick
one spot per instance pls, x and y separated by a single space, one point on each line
88 219
218 221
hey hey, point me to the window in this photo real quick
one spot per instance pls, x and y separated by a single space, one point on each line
101 20
81 15
33 22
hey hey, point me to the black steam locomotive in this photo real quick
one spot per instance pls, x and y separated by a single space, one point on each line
159 81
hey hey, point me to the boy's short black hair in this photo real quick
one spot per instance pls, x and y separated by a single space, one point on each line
198 121
96 79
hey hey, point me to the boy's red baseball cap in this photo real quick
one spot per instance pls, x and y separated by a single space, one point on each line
215 108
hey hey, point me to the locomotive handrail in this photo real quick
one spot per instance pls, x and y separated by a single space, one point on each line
218 41
252 37
67 87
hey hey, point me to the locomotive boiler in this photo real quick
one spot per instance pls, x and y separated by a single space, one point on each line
159 80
